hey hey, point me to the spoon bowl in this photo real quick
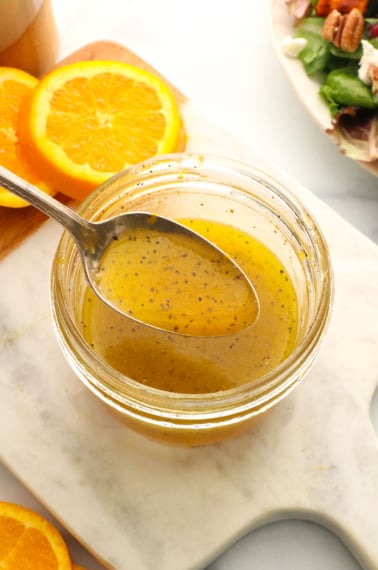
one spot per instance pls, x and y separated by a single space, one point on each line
235 303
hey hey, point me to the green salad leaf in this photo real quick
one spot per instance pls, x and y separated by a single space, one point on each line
354 55
315 54
343 87
374 42
319 55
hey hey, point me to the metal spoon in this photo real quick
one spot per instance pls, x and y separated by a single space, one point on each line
93 239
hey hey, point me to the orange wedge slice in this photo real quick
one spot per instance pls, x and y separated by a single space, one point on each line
88 120
15 85
30 542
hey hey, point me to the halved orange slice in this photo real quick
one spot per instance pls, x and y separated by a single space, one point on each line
14 86
28 541
88 120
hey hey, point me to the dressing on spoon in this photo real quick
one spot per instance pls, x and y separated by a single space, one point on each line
154 270
173 282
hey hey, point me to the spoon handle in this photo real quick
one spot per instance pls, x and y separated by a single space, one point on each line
43 202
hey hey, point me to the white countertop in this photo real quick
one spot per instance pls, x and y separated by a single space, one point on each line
220 55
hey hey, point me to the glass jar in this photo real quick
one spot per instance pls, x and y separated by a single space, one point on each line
211 188
28 35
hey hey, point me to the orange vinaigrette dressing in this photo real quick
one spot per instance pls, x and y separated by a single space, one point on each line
173 282
202 364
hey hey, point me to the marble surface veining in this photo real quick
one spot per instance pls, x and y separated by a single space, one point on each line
315 454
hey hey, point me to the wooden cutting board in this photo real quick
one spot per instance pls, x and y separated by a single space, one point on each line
17 224
138 504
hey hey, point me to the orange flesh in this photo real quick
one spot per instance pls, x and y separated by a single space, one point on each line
112 119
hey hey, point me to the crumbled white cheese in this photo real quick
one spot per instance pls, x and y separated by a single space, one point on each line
369 58
293 46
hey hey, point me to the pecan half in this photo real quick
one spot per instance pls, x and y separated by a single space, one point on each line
331 25
344 30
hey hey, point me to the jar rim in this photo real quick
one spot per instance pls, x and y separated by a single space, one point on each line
257 393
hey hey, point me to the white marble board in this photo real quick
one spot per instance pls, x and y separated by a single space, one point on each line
141 505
